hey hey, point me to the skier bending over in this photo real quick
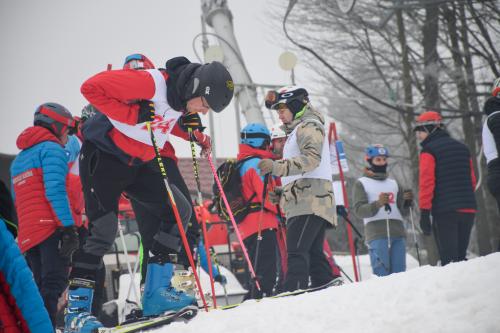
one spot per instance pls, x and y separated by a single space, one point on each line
117 156
148 222
307 198
378 200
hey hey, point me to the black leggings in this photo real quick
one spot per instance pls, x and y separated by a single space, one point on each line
148 223
104 177
266 269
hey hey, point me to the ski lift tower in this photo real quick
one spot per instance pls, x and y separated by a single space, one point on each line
218 16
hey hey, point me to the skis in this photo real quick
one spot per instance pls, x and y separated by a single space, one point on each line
334 282
144 324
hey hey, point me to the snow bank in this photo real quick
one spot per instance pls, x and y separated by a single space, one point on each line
461 297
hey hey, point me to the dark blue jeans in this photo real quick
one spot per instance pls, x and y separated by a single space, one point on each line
50 272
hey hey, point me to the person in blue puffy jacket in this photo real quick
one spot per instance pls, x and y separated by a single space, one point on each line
21 306
47 232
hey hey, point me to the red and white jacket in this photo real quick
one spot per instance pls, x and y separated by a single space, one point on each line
115 93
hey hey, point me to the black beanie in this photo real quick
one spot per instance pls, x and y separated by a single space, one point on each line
179 84
491 105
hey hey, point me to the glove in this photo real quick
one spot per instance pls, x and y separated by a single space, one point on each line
407 198
203 140
275 195
383 199
221 279
341 211
266 166
191 120
69 242
425 221
146 111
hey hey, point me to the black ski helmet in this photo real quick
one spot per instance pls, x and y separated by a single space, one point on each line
294 97
213 82
54 117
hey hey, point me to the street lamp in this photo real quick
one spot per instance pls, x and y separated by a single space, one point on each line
287 61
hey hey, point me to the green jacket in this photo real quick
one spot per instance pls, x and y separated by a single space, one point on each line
364 209
306 196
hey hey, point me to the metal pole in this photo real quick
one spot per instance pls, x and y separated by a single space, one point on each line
414 235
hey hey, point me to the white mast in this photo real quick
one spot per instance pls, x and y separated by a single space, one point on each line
218 16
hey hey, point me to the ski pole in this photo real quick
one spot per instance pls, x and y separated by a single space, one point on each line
235 226
388 210
203 222
355 245
176 212
414 235
216 261
129 267
356 240
259 230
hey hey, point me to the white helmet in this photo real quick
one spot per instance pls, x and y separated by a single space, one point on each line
277 132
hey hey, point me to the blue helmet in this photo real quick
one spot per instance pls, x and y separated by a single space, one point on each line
376 150
255 135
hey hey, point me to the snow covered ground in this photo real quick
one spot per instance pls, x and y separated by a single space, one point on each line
461 297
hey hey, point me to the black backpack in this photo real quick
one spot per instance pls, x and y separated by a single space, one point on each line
229 175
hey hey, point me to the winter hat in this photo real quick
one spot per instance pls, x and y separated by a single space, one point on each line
428 121
88 112
491 105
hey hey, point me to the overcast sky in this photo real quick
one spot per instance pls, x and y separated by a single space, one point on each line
49 48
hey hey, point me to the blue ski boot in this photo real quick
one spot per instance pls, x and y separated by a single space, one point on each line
78 317
159 294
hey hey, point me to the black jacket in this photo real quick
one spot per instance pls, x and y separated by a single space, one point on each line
453 181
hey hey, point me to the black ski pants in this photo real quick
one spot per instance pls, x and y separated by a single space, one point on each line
148 222
493 181
50 272
305 235
104 177
452 231
266 264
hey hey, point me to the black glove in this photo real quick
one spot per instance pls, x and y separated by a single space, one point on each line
191 120
221 279
69 242
341 211
425 221
146 111
407 198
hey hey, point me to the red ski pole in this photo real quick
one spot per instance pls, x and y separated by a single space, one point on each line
235 226
176 213
333 130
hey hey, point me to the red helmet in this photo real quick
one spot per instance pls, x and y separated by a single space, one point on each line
495 90
54 117
137 61
429 118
